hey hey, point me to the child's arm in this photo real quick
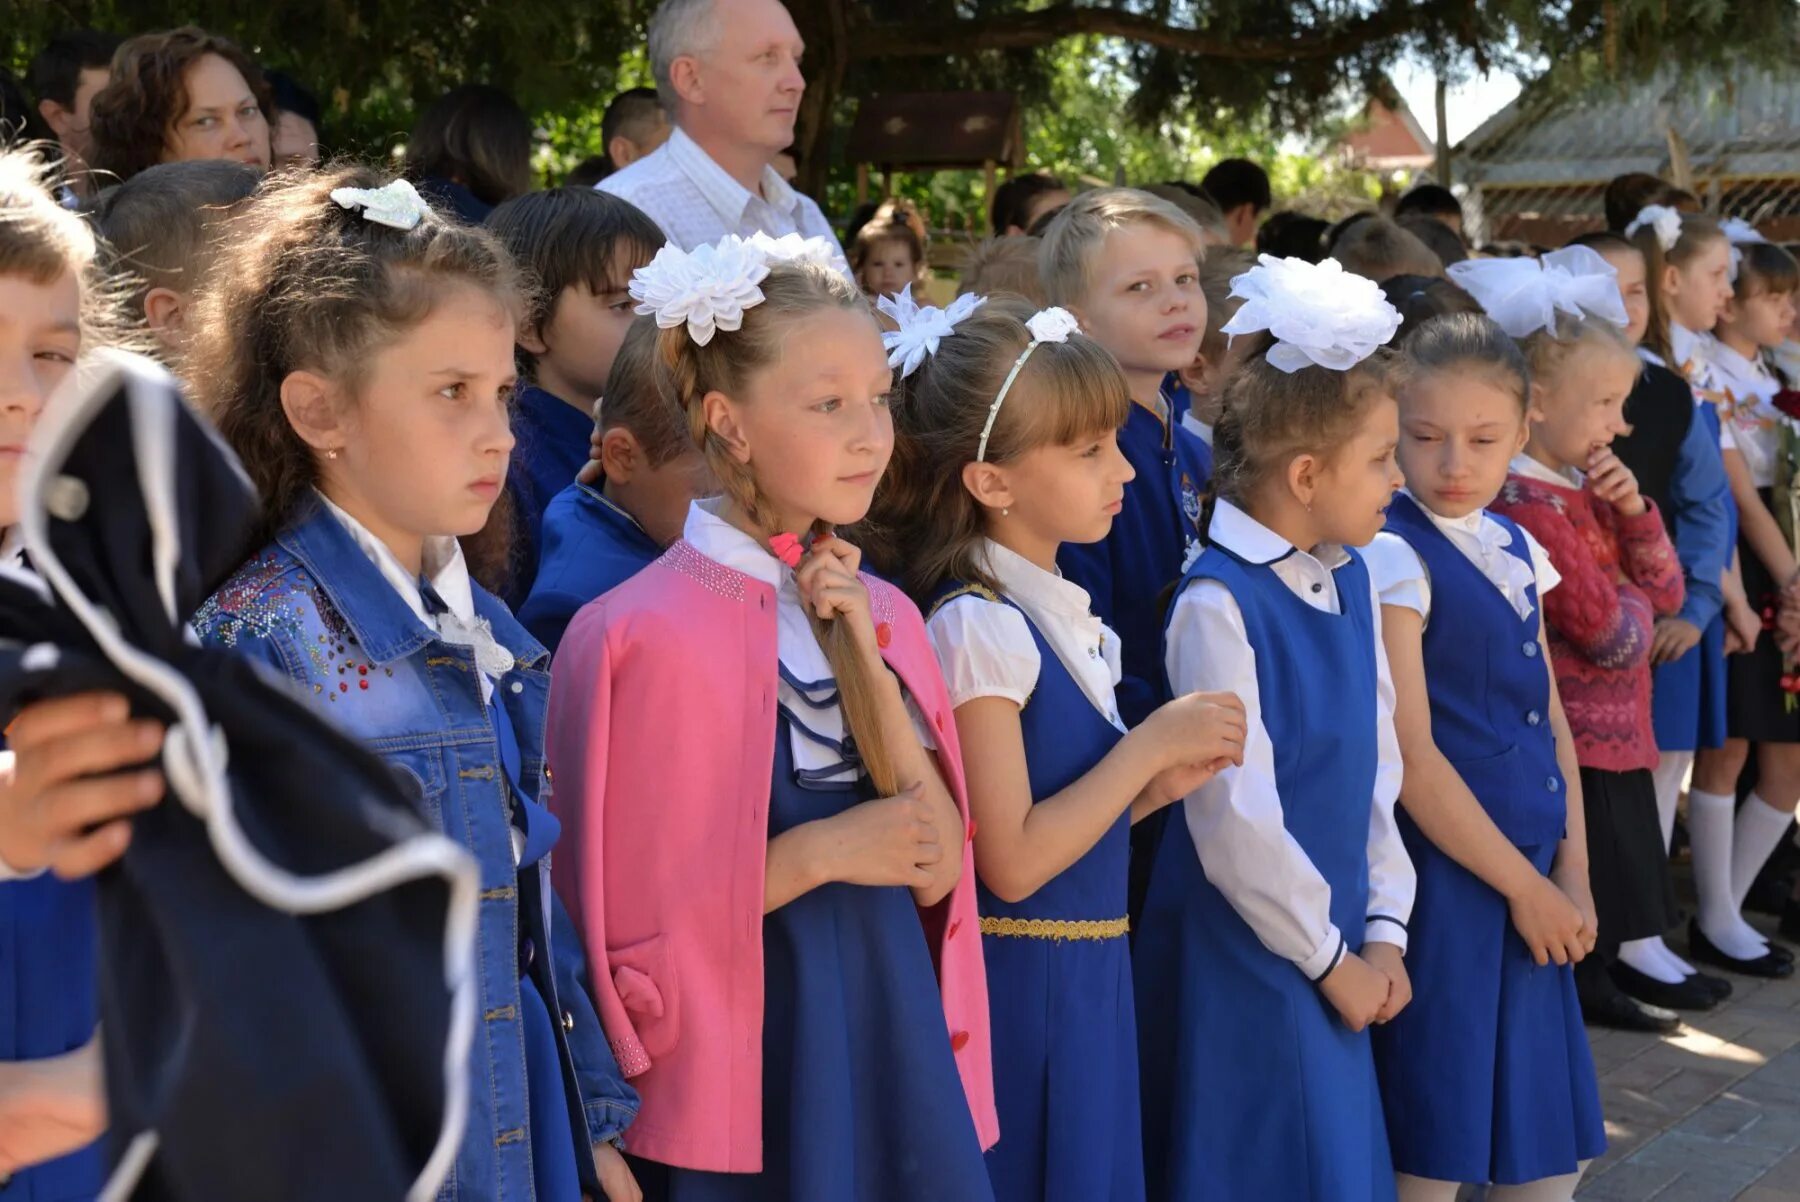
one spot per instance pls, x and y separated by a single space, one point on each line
1645 554
1235 819
1392 879
50 1107
1606 622
1760 528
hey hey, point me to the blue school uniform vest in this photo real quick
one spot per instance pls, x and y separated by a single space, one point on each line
1490 692
1252 1085
589 546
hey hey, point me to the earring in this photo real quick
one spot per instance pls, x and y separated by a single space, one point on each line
1006 513
331 454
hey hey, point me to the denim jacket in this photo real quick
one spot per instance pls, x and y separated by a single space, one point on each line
313 607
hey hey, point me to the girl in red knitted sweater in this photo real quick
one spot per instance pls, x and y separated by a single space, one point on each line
1619 573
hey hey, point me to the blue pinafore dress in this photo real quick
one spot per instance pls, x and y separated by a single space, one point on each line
1253 1087
1486 1076
1059 983
862 1101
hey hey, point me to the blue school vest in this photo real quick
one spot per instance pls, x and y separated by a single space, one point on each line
1489 684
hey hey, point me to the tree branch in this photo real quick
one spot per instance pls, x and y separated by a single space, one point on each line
1027 30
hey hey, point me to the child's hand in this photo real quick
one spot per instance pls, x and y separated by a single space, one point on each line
888 841
1672 639
1201 729
1613 483
616 1181
1742 626
1572 879
1386 959
1356 990
830 587
59 808
50 1107
1550 924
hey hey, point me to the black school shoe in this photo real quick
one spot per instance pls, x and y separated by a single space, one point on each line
1694 993
1621 1013
1771 965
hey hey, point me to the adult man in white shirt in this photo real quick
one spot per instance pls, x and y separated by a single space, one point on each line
728 72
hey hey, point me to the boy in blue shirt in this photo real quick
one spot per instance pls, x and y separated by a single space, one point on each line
578 248
597 535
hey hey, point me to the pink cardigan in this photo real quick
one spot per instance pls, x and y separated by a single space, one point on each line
660 743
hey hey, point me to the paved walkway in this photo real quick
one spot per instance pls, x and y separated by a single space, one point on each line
1710 1113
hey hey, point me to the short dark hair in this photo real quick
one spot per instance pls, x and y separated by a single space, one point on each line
477 135
588 172
1419 298
1428 200
640 397
1292 235
569 236
159 224
1765 267
1603 241
56 69
134 113
1439 238
1343 225
631 112
1627 194
1234 182
1012 199
293 97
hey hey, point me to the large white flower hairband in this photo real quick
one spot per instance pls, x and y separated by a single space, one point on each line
1046 325
1524 296
710 288
1319 314
397 205
1739 233
921 327
1661 218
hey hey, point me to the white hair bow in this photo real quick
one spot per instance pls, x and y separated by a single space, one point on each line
1319 314
397 205
1524 295
795 248
1739 232
707 289
1664 220
922 327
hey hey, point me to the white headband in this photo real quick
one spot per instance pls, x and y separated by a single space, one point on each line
1046 325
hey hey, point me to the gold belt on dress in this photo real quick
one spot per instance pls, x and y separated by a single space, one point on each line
1057 929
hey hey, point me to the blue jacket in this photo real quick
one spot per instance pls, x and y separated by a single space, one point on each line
315 610
553 440
589 546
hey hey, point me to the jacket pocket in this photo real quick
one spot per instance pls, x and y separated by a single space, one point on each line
1527 810
643 975
422 778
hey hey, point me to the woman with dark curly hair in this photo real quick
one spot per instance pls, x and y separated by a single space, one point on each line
179 95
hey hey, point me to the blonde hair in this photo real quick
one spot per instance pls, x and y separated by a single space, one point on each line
1005 265
1549 351
1073 240
40 240
791 292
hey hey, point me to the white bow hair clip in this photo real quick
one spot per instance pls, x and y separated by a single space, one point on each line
1664 220
1524 296
706 289
796 248
397 205
1739 232
1319 314
922 327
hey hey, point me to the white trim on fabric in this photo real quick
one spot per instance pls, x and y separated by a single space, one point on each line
195 762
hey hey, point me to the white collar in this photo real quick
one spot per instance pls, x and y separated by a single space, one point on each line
12 548
723 543
1650 356
442 561
1736 365
1686 346
1235 531
1524 465
724 193
1024 581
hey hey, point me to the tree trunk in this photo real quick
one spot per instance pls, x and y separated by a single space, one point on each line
824 26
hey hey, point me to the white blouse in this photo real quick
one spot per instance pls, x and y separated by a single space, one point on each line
1400 578
1749 389
986 648
1235 819
807 690
1693 354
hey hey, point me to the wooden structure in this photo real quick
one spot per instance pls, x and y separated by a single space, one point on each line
936 131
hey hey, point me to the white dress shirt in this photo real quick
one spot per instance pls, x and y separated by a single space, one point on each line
697 202
1748 412
1235 819
986 649
807 689
12 558
1400 578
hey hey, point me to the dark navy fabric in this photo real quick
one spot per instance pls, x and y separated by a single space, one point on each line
1252 1085
589 547
552 441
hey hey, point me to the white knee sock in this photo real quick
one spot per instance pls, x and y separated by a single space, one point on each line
1712 830
1760 827
1671 777
1653 958
1546 1189
1424 1189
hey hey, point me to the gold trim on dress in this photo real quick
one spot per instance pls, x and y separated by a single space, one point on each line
1059 930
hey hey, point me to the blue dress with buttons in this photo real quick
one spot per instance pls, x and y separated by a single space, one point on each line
1059 982
1486 1076
1253 1087
861 1097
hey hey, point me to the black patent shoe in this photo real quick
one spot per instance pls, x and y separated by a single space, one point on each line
1690 994
1621 1013
1771 965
